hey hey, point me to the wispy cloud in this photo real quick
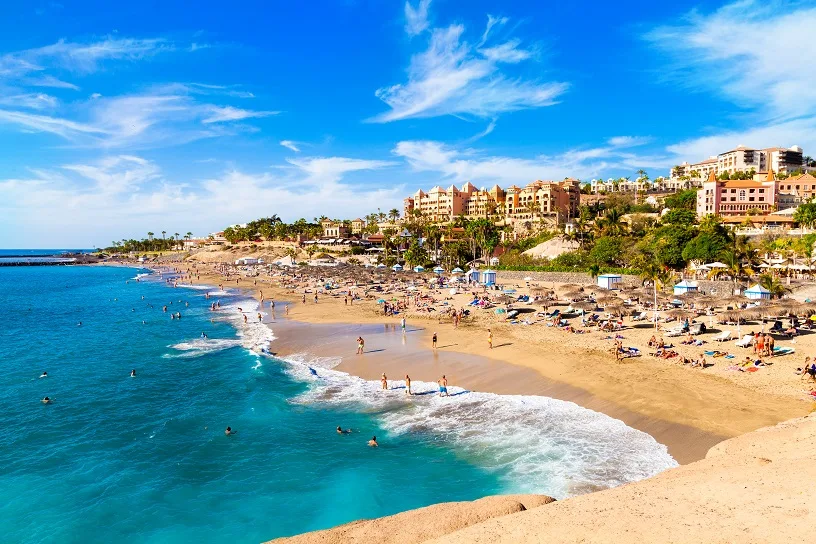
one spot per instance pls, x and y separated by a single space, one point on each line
454 78
467 164
749 52
416 19
289 144
491 22
32 101
137 120
229 113
628 141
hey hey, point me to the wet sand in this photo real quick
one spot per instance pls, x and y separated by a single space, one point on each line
389 351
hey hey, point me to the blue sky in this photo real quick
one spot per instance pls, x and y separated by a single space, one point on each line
155 116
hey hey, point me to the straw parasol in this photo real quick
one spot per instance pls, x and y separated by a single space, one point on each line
575 293
617 309
607 298
586 306
681 314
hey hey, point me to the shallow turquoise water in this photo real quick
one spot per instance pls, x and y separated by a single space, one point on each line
145 459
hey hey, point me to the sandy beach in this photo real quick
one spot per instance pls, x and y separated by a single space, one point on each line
687 408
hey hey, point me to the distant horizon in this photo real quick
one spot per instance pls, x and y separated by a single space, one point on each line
271 110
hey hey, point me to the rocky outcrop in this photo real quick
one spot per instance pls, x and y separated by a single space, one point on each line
423 524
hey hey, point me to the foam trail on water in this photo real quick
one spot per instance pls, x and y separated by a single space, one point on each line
535 444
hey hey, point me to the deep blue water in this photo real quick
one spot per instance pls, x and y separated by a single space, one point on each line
145 459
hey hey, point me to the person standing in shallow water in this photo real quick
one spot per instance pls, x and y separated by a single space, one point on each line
443 386
433 342
384 381
407 384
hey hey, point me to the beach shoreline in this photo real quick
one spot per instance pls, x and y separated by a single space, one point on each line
647 394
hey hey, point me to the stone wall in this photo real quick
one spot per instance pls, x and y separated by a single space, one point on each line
581 278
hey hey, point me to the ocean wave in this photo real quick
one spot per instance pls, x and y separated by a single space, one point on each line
252 335
534 444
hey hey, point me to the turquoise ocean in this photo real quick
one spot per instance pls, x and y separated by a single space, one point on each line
145 459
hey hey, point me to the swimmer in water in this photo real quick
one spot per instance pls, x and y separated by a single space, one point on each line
133 373
203 335
46 400
79 324
373 442
341 431
44 375
229 431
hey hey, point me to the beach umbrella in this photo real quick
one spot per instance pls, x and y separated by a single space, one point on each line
439 270
457 270
419 269
586 306
682 314
605 299
616 309
716 265
575 293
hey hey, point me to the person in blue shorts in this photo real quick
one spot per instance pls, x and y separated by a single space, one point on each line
443 386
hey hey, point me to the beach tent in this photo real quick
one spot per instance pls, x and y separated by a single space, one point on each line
473 275
457 270
438 270
397 267
609 281
381 265
685 286
419 269
757 292
489 277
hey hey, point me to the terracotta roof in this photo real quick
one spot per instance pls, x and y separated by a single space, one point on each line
707 161
757 219
801 177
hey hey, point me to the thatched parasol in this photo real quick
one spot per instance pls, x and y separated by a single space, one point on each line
586 306
617 309
681 314
607 298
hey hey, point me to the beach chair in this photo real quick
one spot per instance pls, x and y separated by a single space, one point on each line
697 329
746 341
676 331
783 350
777 327
640 316
723 336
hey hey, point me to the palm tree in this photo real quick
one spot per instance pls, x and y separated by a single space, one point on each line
163 233
393 215
611 224
150 236
594 272
773 285
658 276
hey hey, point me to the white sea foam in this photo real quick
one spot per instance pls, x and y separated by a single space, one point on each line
534 444
141 275
251 335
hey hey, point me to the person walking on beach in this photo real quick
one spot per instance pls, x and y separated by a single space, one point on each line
402 323
443 386
304 299
433 341
360 345
407 384
315 299
384 382
489 339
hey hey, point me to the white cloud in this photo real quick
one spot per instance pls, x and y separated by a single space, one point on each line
129 196
753 53
506 52
139 120
416 19
229 113
33 101
628 141
491 22
460 165
453 78
290 145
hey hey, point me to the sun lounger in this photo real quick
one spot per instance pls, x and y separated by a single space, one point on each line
746 341
676 331
780 350
640 316
723 336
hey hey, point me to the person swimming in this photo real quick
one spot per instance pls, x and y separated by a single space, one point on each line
203 334
46 400
373 442
133 373
229 431
44 375
341 431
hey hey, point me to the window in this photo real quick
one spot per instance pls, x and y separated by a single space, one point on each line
750 190
751 199
742 195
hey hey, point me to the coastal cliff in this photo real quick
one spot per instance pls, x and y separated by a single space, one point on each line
757 487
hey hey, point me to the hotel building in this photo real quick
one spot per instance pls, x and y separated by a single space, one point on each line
737 197
553 200
743 159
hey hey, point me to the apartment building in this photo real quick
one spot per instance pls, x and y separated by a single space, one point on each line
557 200
357 226
334 229
802 186
444 205
554 200
780 160
737 197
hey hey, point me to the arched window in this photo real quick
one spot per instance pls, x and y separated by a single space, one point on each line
742 195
